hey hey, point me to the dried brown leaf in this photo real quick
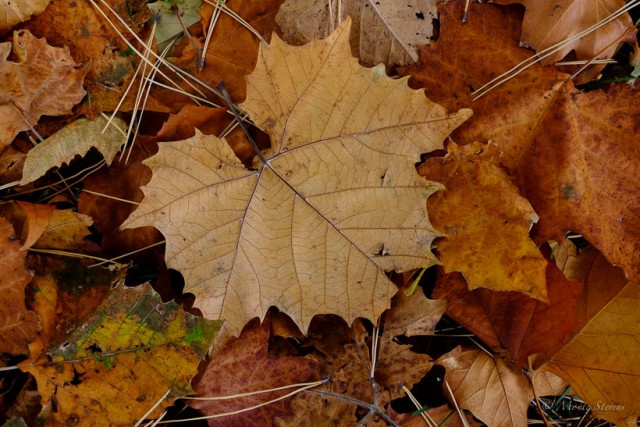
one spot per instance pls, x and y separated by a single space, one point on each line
548 22
601 361
383 31
18 324
336 203
44 81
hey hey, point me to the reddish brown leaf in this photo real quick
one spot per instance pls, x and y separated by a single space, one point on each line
244 365
451 71
18 325
512 320
44 80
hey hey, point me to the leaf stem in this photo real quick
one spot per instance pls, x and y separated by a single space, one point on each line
225 94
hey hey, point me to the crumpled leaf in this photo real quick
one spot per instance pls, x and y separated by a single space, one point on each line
18 326
601 362
349 365
74 139
350 378
13 12
349 358
122 360
486 223
227 373
495 391
336 203
547 22
94 42
397 364
44 81
383 31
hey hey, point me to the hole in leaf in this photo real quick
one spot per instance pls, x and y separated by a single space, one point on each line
95 348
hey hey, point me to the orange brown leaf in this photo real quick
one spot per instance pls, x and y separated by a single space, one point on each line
486 223
569 153
18 325
511 320
601 360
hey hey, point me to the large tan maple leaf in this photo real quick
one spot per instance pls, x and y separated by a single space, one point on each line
335 203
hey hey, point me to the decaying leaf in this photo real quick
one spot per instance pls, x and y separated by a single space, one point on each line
335 203
75 139
486 223
397 364
383 31
601 361
93 41
349 365
13 12
43 81
349 358
118 364
227 374
18 326
548 22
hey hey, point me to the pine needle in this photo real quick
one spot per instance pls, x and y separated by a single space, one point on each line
522 66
